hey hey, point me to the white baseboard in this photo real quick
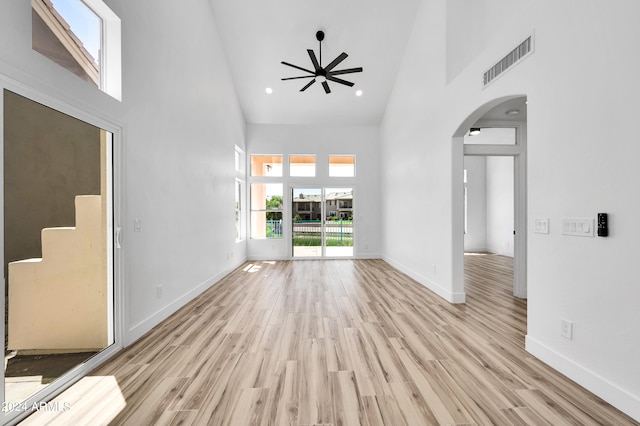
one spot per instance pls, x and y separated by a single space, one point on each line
358 256
476 250
138 330
368 256
447 295
265 258
614 395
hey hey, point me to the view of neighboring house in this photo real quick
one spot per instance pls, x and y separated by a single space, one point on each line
338 205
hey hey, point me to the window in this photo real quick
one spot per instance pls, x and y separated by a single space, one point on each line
492 136
302 165
466 205
266 210
239 161
239 193
266 165
82 36
342 165
239 227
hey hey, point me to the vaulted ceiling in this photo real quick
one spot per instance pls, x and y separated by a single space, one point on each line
257 35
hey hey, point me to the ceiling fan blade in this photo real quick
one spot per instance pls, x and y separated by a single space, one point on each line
295 78
307 85
339 80
297 67
347 71
341 57
326 87
314 60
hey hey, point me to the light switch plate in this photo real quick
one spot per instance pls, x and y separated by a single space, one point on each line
542 226
578 227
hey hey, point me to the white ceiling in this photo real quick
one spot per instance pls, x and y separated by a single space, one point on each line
258 34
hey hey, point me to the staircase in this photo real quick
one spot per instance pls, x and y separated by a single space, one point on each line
59 303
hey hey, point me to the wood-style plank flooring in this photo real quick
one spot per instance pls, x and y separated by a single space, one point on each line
335 342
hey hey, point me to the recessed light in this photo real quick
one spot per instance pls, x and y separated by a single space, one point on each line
269 90
513 112
358 92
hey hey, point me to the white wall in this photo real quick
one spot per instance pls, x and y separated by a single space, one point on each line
573 170
180 120
361 141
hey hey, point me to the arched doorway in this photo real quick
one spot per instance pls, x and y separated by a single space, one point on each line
499 113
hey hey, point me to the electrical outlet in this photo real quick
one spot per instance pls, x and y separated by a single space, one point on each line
159 291
566 329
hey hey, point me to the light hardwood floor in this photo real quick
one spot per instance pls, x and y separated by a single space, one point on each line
336 342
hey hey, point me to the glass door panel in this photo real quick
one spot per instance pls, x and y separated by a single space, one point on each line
307 219
322 222
58 245
338 235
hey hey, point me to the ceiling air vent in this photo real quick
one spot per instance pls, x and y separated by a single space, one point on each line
512 58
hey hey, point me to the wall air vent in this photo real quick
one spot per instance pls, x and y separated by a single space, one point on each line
512 58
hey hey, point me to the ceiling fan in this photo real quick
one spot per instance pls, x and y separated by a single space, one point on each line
320 73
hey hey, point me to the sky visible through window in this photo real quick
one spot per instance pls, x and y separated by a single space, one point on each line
84 23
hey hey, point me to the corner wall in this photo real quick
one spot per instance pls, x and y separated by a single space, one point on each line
574 170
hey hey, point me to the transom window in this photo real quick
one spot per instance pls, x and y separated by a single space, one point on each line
342 165
302 165
266 165
82 36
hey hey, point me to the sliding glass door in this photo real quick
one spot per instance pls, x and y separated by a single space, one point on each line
58 250
338 235
322 222
307 222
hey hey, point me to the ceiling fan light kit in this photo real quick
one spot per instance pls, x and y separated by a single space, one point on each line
323 74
